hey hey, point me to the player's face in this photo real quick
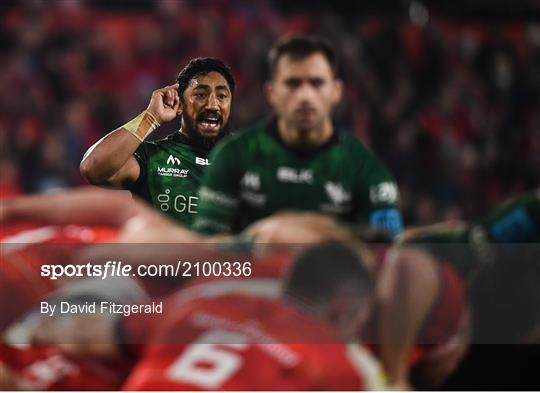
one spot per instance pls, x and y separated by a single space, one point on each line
304 91
206 107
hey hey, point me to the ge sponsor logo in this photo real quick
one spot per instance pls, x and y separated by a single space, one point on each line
164 200
180 203
385 192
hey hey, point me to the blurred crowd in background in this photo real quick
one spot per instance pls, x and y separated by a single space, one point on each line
452 106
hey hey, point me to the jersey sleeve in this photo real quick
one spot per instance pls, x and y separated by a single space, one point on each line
141 155
378 192
218 194
516 221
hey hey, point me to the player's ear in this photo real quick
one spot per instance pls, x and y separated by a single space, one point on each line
269 91
338 91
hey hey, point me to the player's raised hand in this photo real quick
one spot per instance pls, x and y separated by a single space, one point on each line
164 103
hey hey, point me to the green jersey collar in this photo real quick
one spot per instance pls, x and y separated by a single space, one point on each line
272 130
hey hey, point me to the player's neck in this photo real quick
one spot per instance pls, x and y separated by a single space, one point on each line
303 138
302 305
321 313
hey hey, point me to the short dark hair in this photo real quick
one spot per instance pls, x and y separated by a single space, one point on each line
203 65
323 271
300 47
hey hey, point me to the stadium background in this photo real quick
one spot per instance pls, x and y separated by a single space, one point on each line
447 94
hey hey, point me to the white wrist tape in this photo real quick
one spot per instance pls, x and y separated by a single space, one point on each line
142 126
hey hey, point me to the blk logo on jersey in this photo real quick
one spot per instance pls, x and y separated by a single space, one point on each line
293 175
201 161
172 160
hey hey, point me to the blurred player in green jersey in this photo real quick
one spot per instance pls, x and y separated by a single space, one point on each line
298 160
167 172
511 226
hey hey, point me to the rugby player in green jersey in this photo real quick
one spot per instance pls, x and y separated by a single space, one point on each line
469 246
298 160
167 172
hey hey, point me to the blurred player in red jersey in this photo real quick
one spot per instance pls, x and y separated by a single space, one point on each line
84 216
303 340
420 320
38 229
241 342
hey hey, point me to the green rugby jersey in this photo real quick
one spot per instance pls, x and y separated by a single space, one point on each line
171 172
253 175
468 247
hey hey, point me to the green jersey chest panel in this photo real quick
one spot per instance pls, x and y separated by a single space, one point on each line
254 175
342 179
172 175
273 178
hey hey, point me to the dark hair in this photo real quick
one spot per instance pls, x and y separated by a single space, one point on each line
324 270
203 65
300 47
